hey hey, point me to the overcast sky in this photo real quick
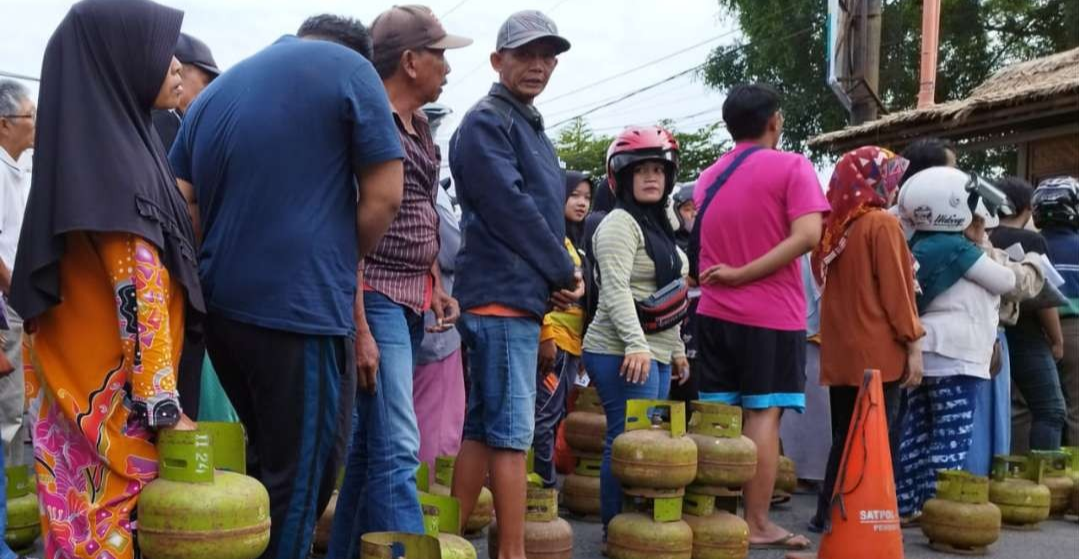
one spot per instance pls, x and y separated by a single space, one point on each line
608 36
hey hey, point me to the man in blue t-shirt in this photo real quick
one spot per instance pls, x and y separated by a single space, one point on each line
269 158
1056 212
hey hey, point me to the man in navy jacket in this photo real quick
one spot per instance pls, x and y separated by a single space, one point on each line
512 266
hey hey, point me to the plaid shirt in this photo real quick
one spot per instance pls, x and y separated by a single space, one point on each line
400 266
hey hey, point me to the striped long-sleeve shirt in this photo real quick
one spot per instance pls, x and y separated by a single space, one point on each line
627 274
400 266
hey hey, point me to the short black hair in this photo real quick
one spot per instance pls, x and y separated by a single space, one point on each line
1019 192
925 153
747 110
342 30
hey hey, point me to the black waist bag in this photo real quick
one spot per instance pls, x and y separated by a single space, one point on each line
665 308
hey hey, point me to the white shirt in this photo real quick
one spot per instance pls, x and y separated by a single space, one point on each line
14 190
961 323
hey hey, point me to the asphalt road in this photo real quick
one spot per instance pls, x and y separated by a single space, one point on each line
1057 539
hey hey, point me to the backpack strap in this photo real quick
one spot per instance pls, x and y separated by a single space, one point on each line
695 235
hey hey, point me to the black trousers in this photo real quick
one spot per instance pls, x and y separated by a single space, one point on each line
843 400
189 374
294 394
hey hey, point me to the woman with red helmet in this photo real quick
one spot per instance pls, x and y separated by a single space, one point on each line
633 345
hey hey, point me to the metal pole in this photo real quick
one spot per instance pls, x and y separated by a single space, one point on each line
930 43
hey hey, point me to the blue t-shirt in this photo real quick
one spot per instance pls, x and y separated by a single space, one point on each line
1064 254
270 147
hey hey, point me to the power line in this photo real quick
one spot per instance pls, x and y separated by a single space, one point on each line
639 67
653 101
667 79
630 94
591 104
18 76
554 7
453 9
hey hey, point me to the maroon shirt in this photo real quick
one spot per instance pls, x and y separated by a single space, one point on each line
400 266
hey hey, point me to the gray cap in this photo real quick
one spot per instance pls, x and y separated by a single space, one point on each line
526 26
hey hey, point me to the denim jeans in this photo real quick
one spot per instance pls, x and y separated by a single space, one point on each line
379 490
614 391
1035 375
5 551
502 361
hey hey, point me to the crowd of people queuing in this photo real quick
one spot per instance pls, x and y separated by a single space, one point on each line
286 218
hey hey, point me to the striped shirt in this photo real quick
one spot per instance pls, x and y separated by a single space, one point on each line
400 266
627 274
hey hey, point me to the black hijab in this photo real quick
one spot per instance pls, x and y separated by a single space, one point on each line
658 233
98 164
575 231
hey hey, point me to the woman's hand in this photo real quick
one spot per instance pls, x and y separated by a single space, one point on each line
548 352
912 376
185 424
636 366
680 370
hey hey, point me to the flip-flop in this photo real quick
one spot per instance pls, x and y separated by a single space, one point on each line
781 543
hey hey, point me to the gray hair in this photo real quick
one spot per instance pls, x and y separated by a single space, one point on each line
12 95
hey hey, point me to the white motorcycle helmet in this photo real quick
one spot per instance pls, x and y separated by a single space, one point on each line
937 200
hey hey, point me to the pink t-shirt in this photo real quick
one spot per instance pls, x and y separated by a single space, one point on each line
751 214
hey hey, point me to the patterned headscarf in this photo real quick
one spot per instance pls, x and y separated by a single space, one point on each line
864 180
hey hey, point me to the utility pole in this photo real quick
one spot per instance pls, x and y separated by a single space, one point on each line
865 59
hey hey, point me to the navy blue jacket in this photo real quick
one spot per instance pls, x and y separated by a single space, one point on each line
512 194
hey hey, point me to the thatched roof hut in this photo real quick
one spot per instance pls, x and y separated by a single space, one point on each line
1024 104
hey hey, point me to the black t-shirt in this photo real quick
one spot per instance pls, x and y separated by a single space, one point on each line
1003 237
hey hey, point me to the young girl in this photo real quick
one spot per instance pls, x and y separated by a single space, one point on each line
560 341
628 353
959 305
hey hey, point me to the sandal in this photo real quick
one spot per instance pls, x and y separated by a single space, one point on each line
783 543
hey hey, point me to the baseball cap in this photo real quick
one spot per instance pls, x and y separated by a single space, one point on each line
526 26
410 27
190 50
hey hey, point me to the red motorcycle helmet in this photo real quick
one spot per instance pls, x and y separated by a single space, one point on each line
643 143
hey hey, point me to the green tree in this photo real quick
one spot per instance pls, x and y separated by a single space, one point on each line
583 150
697 150
784 45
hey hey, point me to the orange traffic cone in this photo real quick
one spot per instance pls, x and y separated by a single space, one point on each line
865 516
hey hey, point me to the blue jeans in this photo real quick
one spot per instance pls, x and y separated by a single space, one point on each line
992 417
379 489
1035 375
502 361
5 551
614 391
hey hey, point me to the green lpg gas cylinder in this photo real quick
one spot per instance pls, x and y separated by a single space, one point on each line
194 511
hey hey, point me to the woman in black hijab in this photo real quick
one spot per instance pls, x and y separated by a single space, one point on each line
105 269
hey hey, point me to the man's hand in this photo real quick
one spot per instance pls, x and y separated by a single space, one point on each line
722 274
636 366
1058 350
680 370
366 360
912 376
446 310
564 299
548 351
